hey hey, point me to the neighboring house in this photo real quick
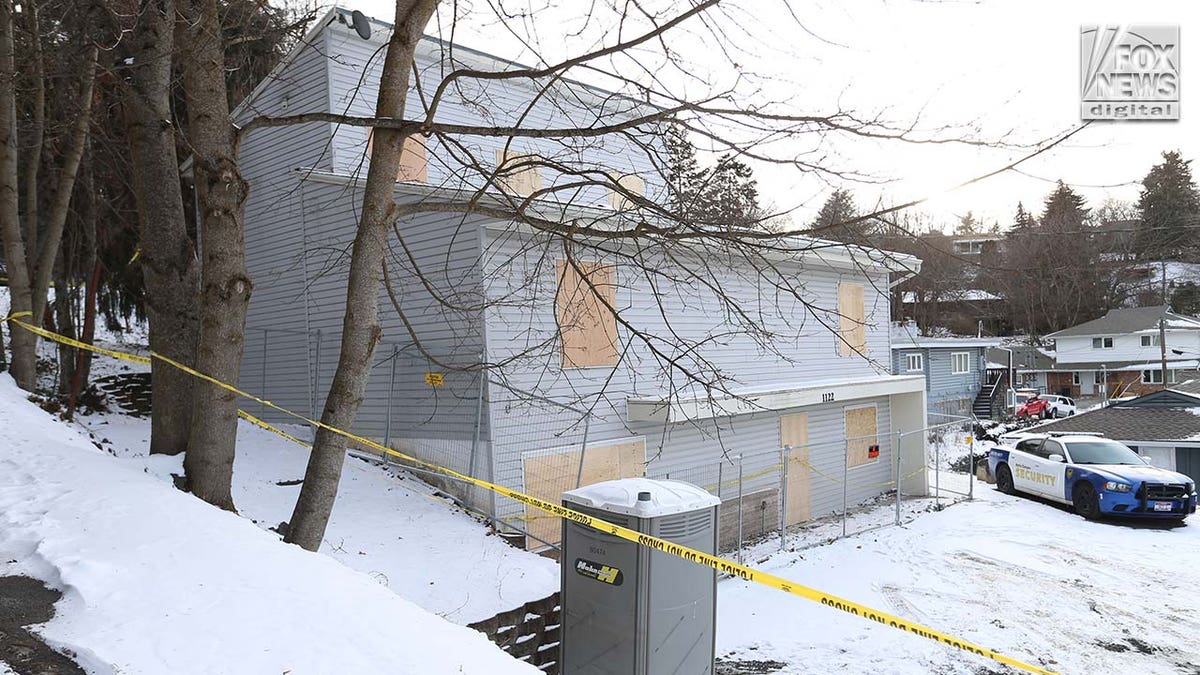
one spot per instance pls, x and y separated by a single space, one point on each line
955 370
571 396
960 310
1121 352
1030 365
1163 425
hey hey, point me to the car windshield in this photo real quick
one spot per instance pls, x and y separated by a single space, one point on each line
1024 397
1102 452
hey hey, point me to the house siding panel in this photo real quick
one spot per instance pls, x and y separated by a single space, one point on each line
487 103
521 271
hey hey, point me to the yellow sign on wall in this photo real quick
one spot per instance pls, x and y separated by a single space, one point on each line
435 379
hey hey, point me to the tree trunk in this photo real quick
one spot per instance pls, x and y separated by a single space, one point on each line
168 259
24 343
56 219
360 326
225 290
37 131
64 320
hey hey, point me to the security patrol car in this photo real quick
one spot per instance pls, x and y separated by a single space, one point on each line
1096 475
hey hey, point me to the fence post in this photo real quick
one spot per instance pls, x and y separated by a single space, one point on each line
587 421
478 418
316 378
262 391
783 503
937 473
845 481
387 423
741 508
899 475
971 477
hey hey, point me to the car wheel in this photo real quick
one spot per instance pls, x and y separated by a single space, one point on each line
1086 501
1054 413
1004 480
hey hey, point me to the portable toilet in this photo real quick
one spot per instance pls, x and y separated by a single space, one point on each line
630 609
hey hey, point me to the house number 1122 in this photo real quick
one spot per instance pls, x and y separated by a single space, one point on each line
827 398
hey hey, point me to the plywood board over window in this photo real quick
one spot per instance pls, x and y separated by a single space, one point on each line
793 437
549 475
862 432
631 184
852 329
414 168
587 326
518 174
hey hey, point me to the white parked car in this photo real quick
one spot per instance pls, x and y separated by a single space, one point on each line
1060 406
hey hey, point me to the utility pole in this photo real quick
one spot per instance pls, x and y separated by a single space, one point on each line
1162 343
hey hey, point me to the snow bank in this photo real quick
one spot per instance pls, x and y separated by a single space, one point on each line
155 581
385 523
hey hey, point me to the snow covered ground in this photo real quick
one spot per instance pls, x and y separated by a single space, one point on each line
385 523
155 581
1024 577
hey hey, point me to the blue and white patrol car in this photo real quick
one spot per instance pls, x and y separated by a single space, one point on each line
1096 475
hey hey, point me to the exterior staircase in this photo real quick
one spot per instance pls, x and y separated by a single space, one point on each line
990 400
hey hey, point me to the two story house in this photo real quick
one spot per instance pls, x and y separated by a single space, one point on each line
1122 352
955 369
540 362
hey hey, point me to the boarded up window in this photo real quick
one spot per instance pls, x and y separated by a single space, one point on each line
793 436
548 476
852 330
861 434
587 326
413 166
631 184
518 174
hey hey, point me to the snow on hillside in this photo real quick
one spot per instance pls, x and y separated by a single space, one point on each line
386 524
155 581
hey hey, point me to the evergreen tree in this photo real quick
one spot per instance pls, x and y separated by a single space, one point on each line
831 221
1170 210
723 197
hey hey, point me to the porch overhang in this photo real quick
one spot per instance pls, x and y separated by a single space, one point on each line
781 397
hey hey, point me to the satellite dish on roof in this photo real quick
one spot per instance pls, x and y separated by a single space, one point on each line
362 25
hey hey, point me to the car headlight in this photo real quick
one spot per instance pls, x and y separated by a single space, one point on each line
1114 486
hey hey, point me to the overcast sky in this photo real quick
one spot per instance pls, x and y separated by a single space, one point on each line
994 69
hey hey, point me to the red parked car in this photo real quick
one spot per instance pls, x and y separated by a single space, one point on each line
1031 405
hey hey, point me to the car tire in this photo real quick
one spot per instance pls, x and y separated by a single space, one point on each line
1004 480
1086 501
1054 413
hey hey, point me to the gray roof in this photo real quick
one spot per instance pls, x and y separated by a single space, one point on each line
1024 358
1188 387
1133 424
1118 321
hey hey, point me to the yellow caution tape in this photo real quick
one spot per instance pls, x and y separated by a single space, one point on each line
642 539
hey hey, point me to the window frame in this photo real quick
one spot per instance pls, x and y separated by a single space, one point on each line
1151 379
908 362
966 359
1103 342
1151 340
1075 379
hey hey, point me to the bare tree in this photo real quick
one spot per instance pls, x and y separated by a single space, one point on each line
649 235
32 251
